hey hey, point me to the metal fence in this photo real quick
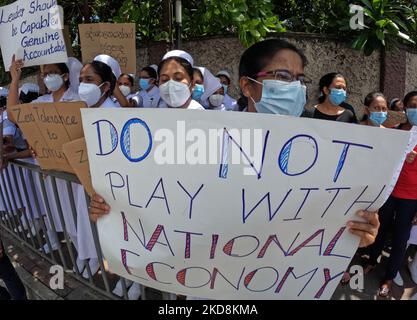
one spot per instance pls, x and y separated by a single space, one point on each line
42 210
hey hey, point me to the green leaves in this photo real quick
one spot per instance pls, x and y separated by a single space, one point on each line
387 23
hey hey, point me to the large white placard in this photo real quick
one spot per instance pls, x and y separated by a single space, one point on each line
188 218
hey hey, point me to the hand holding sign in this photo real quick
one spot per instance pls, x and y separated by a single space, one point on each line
98 207
368 230
411 157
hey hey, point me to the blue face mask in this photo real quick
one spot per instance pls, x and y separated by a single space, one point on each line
412 116
225 88
378 118
283 98
337 96
198 92
144 84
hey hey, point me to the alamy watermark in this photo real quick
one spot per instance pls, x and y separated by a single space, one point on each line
357 21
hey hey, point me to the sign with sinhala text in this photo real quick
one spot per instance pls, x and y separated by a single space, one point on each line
235 205
117 40
32 30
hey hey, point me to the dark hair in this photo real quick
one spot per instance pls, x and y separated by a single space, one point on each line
131 80
151 71
105 73
223 75
326 81
184 63
408 97
3 102
29 97
196 70
393 103
64 69
369 99
258 56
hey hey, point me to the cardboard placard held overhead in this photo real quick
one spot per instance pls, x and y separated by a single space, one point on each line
76 153
33 32
117 40
47 127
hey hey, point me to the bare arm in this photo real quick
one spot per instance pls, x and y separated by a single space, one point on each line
124 102
13 97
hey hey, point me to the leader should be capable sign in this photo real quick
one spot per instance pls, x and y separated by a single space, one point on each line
32 30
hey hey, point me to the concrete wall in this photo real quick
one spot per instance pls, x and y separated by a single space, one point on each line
411 72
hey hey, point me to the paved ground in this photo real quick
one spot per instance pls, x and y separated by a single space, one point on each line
34 272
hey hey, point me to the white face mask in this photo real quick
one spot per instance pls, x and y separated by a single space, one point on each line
125 90
90 93
216 100
53 82
175 93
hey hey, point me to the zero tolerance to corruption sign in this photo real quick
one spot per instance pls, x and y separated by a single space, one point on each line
32 30
234 205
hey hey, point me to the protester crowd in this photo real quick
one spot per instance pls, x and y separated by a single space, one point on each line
271 81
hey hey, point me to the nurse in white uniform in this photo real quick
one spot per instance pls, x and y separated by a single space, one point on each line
229 102
117 96
126 83
216 100
56 78
149 96
211 85
176 83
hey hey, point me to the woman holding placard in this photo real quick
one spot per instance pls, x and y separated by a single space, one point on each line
272 81
62 80
259 68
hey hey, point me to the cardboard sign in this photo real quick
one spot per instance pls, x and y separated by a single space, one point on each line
235 205
76 153
33 31
47 127
115 40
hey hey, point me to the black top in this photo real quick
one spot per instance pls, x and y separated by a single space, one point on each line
350 108
347 116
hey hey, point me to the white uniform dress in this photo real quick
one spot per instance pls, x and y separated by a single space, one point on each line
129 97
75 232
221 108
19 202
230 103
9 201
86 249
151 99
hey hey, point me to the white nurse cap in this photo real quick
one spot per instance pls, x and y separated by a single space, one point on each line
111 62
180 54
29 87
224 73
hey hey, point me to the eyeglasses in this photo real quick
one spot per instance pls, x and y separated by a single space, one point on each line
284 75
